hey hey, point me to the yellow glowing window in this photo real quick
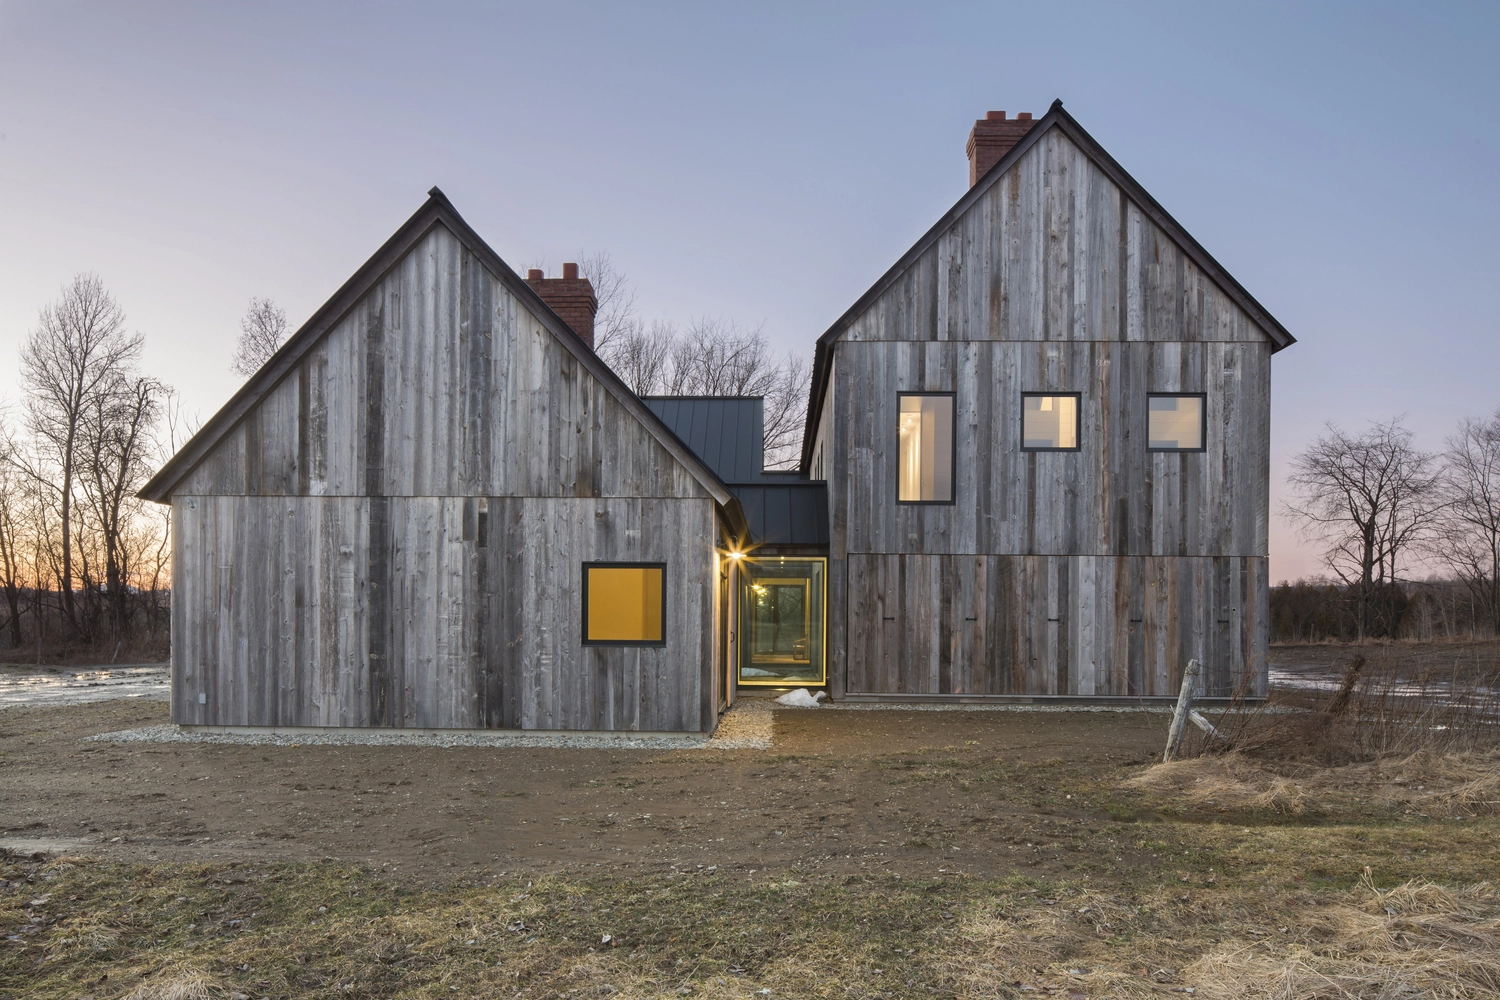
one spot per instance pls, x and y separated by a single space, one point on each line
1174 423
623 605
1049 423
924 471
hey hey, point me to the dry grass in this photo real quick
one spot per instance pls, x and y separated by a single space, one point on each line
1254 873
177 986
1418 939
1465 783
1402 698
1282 909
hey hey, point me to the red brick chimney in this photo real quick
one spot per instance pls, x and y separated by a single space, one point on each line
991 138
571 297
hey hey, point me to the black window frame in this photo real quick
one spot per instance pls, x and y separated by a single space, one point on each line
637 643
1077 420
953 447
1202 422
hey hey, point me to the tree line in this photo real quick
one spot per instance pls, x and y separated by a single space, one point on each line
1378 507
83 561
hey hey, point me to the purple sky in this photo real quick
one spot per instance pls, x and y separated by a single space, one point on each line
764 163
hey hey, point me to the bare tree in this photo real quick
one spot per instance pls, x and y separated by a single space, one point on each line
616 316
710 358
1368 498
719 358
78 349
117 444
786 414
12 499
261 333
639 355
1467 536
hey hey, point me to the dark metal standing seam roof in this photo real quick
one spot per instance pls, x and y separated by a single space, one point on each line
793 514
726 433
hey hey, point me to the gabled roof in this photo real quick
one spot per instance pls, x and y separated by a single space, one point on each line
436 211
1057 118
727 432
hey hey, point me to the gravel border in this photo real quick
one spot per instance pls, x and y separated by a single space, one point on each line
953 707
1149 709
747 726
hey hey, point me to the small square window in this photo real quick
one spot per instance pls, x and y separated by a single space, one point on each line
1049 422
924 471
1175 423
624 604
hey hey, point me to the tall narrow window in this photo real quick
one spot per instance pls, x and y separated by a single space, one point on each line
1049 423
1175 423
624 604
925 465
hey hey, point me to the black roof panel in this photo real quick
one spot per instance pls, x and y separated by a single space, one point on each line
781 508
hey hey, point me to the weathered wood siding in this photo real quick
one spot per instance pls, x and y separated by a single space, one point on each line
1086 626
1094 572
395 535
440 383
419 612
1110 497
1055 251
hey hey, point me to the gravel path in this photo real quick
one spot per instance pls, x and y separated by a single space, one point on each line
747 726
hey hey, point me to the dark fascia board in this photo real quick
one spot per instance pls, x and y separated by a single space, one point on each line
1055 117
436 211
710 398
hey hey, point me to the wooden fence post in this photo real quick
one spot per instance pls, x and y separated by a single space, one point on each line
1180 717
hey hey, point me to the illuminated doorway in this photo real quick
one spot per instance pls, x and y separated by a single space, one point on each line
782 621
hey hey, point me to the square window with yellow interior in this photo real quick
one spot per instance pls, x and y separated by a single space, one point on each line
624 604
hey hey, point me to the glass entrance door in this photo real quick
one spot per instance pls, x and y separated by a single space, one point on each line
782 621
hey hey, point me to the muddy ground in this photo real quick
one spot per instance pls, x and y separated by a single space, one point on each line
912 791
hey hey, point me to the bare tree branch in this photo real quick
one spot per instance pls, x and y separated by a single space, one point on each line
616 316
639 355
1369 499
116 444
711 357
79 347
1466 538
261 332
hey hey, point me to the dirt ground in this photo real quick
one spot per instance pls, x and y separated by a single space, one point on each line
953 854
912 791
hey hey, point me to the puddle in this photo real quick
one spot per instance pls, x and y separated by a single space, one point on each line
1426 695
21 685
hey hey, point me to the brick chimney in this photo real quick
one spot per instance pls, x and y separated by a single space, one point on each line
571 297
991 138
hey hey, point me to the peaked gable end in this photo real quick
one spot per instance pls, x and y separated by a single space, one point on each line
1055 242
436 371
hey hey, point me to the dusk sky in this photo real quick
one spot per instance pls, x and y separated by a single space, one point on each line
759 162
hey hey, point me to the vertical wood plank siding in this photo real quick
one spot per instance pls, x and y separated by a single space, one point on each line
395 535
1094 572
280 618
1087 626
436 393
